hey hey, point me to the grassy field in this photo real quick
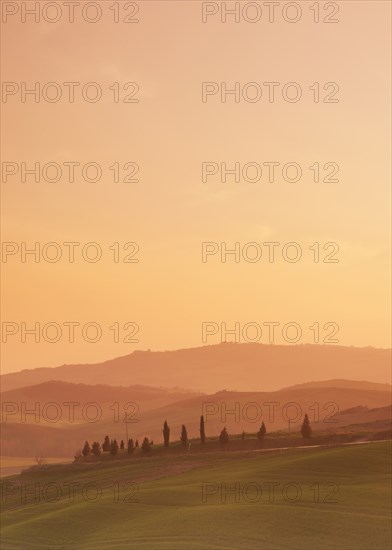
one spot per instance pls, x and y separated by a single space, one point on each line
166 509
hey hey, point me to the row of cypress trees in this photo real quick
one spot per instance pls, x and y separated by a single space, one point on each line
113 447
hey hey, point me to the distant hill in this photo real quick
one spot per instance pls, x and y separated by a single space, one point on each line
241 367
56 390
104 396
339 383
328 409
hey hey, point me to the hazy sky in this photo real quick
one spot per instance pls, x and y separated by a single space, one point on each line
169 133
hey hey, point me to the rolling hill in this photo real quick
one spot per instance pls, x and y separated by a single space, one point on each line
104 396
241 367
336 498
329 408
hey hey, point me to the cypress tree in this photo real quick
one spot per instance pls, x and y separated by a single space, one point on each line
131 447
224 437
146 447
261 433
166 434
306 430
114 447
106 444
184 436
96 448
86 449
202 431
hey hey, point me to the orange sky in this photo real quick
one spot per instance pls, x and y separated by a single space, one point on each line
170 212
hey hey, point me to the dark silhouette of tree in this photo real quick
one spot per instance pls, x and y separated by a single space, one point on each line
243 436
122 445
151 443
146 446
261 433
306 430
166 434
136 443
114 447
224 437
202 431
184 436
131 447
86 449
96 448
106 444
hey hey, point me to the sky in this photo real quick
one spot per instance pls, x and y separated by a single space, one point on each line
164 300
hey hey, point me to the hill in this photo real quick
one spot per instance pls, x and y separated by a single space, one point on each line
102 395
340 383
303 498
211 368
236 410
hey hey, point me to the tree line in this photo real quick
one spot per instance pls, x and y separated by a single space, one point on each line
113 447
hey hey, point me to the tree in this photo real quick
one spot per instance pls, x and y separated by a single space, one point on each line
106 444
202 431
224 437
306 430
86 449
131 446
166 434
184 436
243 436
114 447
261 433
136 443
96 448
122 445
146 446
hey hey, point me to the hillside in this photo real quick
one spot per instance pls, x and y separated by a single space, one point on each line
212 368
340 383
104 396
181 502
328 409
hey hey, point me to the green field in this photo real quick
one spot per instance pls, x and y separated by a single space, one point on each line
170 514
